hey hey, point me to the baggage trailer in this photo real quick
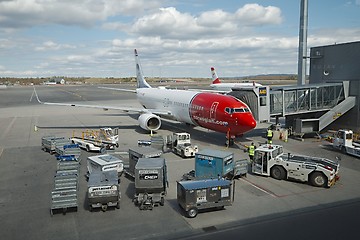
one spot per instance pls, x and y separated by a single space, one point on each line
103 190
64 200
196 195
67 150
135 153
104 163
48 143
270 160
211 163
150 183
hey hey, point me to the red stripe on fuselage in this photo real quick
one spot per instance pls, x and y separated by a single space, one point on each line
208 110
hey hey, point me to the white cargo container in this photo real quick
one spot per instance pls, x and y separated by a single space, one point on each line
105 163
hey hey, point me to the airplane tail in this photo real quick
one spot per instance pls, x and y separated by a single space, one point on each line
141 83
215 78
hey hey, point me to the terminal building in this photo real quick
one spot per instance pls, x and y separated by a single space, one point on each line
335 64
331 100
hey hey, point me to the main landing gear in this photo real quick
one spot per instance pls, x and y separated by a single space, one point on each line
229 142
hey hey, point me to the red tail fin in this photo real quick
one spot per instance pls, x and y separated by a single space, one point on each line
215 78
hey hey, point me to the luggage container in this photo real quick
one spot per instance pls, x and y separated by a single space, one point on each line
140 152
104 163
103 190
150 182
197 195
213 164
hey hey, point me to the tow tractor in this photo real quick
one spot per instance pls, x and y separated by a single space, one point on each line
344 141
91 140
270 160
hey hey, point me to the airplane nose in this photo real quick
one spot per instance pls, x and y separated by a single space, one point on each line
248 123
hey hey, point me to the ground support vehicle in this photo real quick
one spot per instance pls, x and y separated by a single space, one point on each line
269 160
48 143
150 183
211 163
98 141
103 190
139 152
105 163
343 141
179 143
64 196
193 196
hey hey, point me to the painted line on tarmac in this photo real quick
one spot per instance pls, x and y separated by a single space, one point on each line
259 188
8 128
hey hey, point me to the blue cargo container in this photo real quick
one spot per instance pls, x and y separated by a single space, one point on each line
211 163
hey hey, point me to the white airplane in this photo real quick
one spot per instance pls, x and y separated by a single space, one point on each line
221 113
219 86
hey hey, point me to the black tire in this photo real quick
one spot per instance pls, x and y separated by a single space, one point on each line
90 208
87 148
162 201
277 172
182 154
118 204
104 208
318 179
117 145
192 212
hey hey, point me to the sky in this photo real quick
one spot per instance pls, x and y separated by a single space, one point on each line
174 38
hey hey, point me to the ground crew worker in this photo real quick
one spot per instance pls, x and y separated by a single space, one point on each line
269 135
251 151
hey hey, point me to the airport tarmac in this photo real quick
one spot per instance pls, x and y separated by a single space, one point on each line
26 173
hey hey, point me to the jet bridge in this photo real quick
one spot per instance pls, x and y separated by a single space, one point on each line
306 108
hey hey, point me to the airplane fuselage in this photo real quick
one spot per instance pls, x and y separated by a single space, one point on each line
230 86
208 110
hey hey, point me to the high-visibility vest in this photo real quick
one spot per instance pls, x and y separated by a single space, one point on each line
269 133
251 150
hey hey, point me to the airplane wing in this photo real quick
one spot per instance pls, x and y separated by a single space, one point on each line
119 89
164 114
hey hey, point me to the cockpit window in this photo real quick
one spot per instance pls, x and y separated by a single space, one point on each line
236 110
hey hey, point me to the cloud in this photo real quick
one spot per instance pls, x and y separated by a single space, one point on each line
50 45
170 23
86 13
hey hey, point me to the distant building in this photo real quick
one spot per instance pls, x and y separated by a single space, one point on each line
337 63
55 80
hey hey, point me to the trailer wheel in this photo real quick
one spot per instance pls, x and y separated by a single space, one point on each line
192 212
104 208
162 201
277 172
318 179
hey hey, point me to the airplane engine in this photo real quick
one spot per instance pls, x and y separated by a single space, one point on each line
149 121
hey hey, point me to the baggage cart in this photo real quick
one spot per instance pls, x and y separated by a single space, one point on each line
63 200
103 190
140 152
48 143
150 183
